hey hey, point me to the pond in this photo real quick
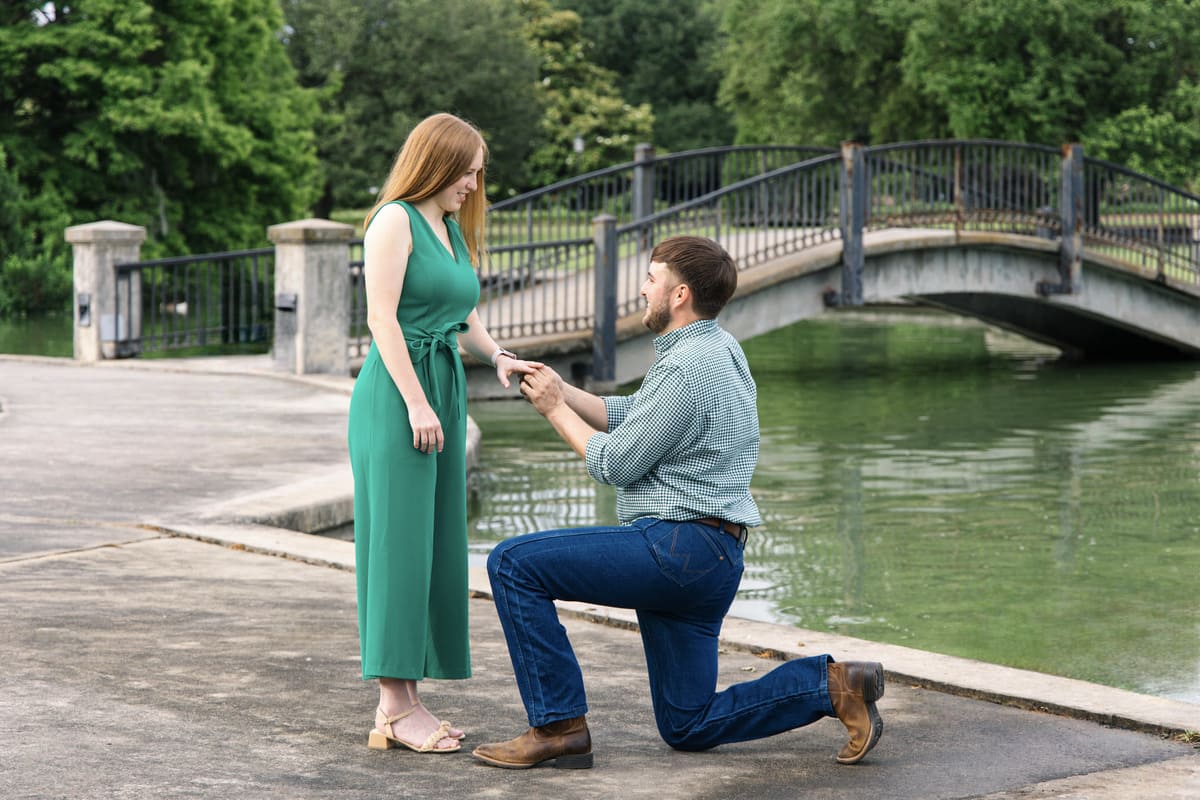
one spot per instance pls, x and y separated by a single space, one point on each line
44 335
930 482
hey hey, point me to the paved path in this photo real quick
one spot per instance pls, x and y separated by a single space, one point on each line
160 641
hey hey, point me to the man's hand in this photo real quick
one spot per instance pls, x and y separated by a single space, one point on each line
507 365
543 388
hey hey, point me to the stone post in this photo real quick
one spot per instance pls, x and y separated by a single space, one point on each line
604 335
853 211
1072 207
312 296
1071 194
98 247
642 205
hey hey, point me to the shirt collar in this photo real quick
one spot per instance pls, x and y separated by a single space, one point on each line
698 328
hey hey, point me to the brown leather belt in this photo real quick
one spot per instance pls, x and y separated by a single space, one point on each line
725 526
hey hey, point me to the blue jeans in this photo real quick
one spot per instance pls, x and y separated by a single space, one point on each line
681 578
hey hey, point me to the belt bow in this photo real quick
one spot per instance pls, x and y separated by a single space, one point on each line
423 345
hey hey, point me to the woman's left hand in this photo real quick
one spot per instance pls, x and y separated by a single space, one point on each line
507 365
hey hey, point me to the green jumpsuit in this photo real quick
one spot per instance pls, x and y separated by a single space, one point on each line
410 508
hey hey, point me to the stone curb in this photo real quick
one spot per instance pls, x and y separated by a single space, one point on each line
949 674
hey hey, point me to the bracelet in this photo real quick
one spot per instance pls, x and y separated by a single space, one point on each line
500 351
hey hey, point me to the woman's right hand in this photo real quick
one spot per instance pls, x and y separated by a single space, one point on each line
426 428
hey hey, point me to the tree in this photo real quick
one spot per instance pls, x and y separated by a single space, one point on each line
663 55
1118 76
818 72
383 65
180 115
586 124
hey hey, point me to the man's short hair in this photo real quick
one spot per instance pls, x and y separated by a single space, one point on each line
704 266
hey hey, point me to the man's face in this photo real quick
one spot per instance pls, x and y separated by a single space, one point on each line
659 285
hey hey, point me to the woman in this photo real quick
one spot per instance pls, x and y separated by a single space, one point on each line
407 427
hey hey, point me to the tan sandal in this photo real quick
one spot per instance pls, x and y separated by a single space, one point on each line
461 735
382 736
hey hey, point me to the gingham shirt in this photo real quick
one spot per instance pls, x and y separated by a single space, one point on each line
685 444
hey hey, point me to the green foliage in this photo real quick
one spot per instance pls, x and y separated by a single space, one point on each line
1118 76
384 65
818 72
35 271
580 99
663 54
183 117
1164 143
34 284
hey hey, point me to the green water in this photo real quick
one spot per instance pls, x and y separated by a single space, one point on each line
933 484
50 335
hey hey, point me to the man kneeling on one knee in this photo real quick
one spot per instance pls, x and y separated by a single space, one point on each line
681 452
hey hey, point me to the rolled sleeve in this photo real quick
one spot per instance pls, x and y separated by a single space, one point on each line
650 428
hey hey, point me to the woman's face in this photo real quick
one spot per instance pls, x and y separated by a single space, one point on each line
453 196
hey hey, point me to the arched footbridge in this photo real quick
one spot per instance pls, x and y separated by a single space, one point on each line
1085 255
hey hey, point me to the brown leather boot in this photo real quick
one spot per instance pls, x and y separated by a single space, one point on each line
854 686
567 742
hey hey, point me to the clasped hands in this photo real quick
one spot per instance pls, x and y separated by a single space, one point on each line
542 387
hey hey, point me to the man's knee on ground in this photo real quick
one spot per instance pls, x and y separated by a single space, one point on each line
684 739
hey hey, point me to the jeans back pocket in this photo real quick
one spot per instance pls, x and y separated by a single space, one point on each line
684 552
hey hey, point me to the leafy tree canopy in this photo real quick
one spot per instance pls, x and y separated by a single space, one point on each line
1118 76
586 124
664 55
384 65
183 116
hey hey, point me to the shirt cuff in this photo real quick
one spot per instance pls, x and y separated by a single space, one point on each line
594 456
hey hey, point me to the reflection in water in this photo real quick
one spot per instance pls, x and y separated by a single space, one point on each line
944 487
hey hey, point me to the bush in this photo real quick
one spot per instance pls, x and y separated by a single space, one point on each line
34 284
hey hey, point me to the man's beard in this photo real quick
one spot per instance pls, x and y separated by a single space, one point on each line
657 318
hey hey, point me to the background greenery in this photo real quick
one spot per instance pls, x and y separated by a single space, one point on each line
208 120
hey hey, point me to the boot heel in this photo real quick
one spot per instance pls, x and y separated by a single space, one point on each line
377 741
579 761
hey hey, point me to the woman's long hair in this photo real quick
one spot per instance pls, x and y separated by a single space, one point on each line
437 153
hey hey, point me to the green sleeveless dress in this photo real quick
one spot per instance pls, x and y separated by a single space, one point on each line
410 508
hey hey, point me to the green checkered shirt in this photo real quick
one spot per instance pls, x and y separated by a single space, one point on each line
685 444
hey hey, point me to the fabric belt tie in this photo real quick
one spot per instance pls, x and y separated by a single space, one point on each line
735 530
423 347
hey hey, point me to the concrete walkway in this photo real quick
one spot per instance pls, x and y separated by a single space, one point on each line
162 637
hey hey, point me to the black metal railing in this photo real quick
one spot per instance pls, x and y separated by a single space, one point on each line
1141 222
359 340
974 185
630 191
218 302
539 277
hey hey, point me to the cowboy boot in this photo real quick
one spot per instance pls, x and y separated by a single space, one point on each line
567 742
854 686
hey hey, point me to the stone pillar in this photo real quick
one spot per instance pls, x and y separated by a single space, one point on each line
1071 198
604 335
643 191
853 211
1072 208
312 296
98 247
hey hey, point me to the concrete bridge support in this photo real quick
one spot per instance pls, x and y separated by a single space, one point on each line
98 248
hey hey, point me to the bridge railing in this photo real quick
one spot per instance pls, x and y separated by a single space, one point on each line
1142 222
968 185
543 239
543 277
630 191
756 220
221 301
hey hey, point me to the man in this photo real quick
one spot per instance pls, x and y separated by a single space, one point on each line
681 451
